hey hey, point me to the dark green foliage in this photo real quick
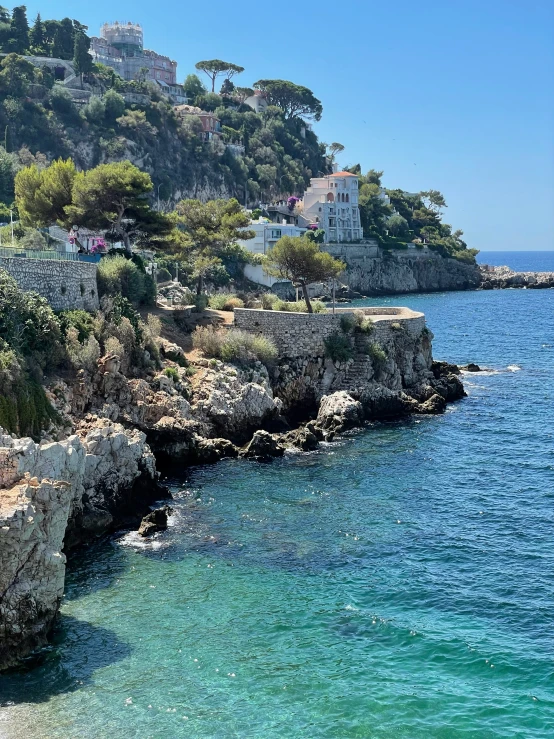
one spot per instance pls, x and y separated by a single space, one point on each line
338 347
28 324
118 275
82 60
172 373
163 275
19 31
348 323
79 319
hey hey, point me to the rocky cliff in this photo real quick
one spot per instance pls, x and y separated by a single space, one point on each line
53 493
102 475
375 271
494 278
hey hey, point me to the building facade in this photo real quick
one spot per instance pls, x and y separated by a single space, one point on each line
266 236
211 125
331 202
121 47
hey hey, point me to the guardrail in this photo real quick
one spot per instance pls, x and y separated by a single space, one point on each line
15 253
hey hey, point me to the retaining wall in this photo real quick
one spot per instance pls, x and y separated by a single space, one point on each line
304 334
66 285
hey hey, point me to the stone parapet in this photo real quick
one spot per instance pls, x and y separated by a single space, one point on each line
67 285
304 334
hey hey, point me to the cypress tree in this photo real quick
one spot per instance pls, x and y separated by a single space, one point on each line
82 60
38 36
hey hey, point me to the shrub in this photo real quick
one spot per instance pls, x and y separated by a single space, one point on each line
396 326
154 325
163 275
223 301
269 300
28 324
172 373
200 303
207 340
118 275
338 347
299 307
235 346
79 319
363 324
348 322
113 345
377 354
82 355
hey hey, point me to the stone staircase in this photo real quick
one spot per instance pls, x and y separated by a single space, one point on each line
359 371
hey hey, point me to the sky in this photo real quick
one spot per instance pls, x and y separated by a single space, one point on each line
453 95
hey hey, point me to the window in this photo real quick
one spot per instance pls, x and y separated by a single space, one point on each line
275 233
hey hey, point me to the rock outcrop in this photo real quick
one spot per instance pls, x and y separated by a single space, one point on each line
339 411
55 495
154 521
503 277
374 271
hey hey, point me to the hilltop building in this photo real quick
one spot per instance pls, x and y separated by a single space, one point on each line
211 125
331 202
121 47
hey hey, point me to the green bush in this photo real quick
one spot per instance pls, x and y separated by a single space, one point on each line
299 307
225 301
172 373
377 354
28 324
163 275
338 347
396 326
79 319
348 322
235 346
200 303
118 275
268 300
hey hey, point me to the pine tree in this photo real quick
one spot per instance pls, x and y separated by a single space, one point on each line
82 60
38 36
19 30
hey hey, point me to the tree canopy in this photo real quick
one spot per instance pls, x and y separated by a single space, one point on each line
294 100
210 232
300 260
215 68
43 194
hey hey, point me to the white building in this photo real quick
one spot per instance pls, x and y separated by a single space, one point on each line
267 235
332 203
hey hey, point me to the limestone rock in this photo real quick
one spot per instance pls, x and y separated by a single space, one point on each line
339 411
209 451
154 521
262 447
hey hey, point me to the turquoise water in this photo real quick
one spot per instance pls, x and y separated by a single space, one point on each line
396 584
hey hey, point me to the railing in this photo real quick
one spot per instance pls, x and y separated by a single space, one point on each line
15 253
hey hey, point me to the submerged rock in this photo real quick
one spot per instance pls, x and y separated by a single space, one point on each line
472 368
155 521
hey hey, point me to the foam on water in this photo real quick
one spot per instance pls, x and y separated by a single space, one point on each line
396 584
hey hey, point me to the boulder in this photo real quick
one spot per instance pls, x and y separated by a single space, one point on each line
209 451
155 521
263 447
339 411
303 438
435 404
472 367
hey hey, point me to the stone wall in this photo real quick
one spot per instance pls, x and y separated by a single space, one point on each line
66 285
304 334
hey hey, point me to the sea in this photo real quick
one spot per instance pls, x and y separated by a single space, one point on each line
398 583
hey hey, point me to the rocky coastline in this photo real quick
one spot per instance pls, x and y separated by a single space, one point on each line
498 278
118 434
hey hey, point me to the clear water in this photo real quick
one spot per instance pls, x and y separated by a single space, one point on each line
520 261
396 584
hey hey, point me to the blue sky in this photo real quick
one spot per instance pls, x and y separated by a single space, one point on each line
453 95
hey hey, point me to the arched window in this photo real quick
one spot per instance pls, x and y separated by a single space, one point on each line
330 197
347 198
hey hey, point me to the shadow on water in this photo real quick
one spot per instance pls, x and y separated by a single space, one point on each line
78 649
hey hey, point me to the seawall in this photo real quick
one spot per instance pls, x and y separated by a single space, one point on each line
67 285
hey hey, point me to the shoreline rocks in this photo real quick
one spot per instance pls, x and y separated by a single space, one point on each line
499 278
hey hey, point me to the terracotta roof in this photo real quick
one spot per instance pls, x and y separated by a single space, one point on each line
342 174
